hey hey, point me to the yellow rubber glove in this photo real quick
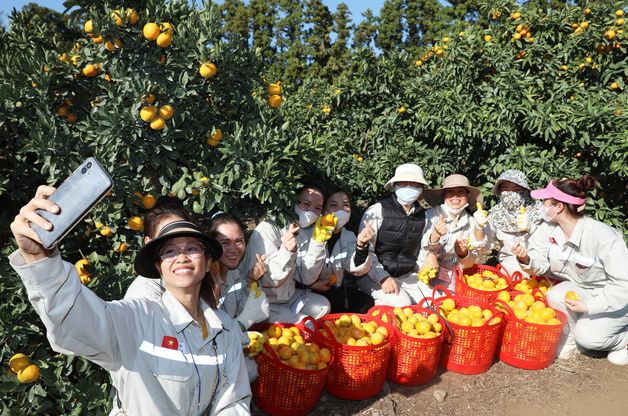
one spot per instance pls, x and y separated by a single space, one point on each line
480 215
324 227
256 289
523 222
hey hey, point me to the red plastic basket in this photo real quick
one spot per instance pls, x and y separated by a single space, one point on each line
528 345
464 290
357 372
413 361
281 390
471 349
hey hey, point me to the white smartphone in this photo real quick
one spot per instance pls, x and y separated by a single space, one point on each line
76 196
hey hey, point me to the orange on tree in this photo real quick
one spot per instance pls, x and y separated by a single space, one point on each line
90 70
89 26
136 223
217 136
131 16
117 18
158 123
166 112
151 31
275 101
166 28
208 69
72 118
274 89
147 114
18 361
619 13
28 374
149 201
150 98
120 248
106 231
81 267
164 39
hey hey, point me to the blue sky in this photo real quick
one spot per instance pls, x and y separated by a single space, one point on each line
357 7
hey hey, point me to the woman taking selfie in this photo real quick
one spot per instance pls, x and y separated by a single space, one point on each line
176 356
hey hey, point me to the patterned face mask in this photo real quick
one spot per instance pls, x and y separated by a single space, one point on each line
512 200
504 214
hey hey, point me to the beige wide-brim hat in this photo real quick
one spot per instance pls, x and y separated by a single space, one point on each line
408 172
435 196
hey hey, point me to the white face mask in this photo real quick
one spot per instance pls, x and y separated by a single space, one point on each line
407 194
545 214
343 218
454 211
306 218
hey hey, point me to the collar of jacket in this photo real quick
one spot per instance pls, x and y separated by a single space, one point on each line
576 234
181 319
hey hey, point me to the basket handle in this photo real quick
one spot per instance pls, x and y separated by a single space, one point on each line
459 271
505 305
433 308
303 324
499 313
516 277
442 289
324 331
501 269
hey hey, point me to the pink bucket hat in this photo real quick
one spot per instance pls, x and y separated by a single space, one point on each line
551 191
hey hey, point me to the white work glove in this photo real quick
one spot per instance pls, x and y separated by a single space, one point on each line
480 215
255 309
523 221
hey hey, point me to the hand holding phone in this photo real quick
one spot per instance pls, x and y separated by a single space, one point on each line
75 197
27 239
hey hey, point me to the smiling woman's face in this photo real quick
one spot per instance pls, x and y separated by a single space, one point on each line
456 197
231 238
188 268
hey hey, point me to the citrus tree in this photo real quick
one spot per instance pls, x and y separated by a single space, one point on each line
170 107
173 104
538 90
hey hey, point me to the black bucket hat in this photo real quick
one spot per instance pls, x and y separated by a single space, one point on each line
145 259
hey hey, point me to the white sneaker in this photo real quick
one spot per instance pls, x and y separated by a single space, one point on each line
618 357
568 350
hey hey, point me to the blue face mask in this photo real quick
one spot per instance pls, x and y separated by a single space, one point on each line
408 194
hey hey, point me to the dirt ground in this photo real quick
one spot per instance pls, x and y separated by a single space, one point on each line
581 386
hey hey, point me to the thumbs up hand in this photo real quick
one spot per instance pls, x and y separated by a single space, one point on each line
480 215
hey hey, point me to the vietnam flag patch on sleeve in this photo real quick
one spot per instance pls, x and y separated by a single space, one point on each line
170 343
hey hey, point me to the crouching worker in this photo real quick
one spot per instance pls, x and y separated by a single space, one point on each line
347 259
178 355
233 290
293 254
398 223
592 260
453 233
